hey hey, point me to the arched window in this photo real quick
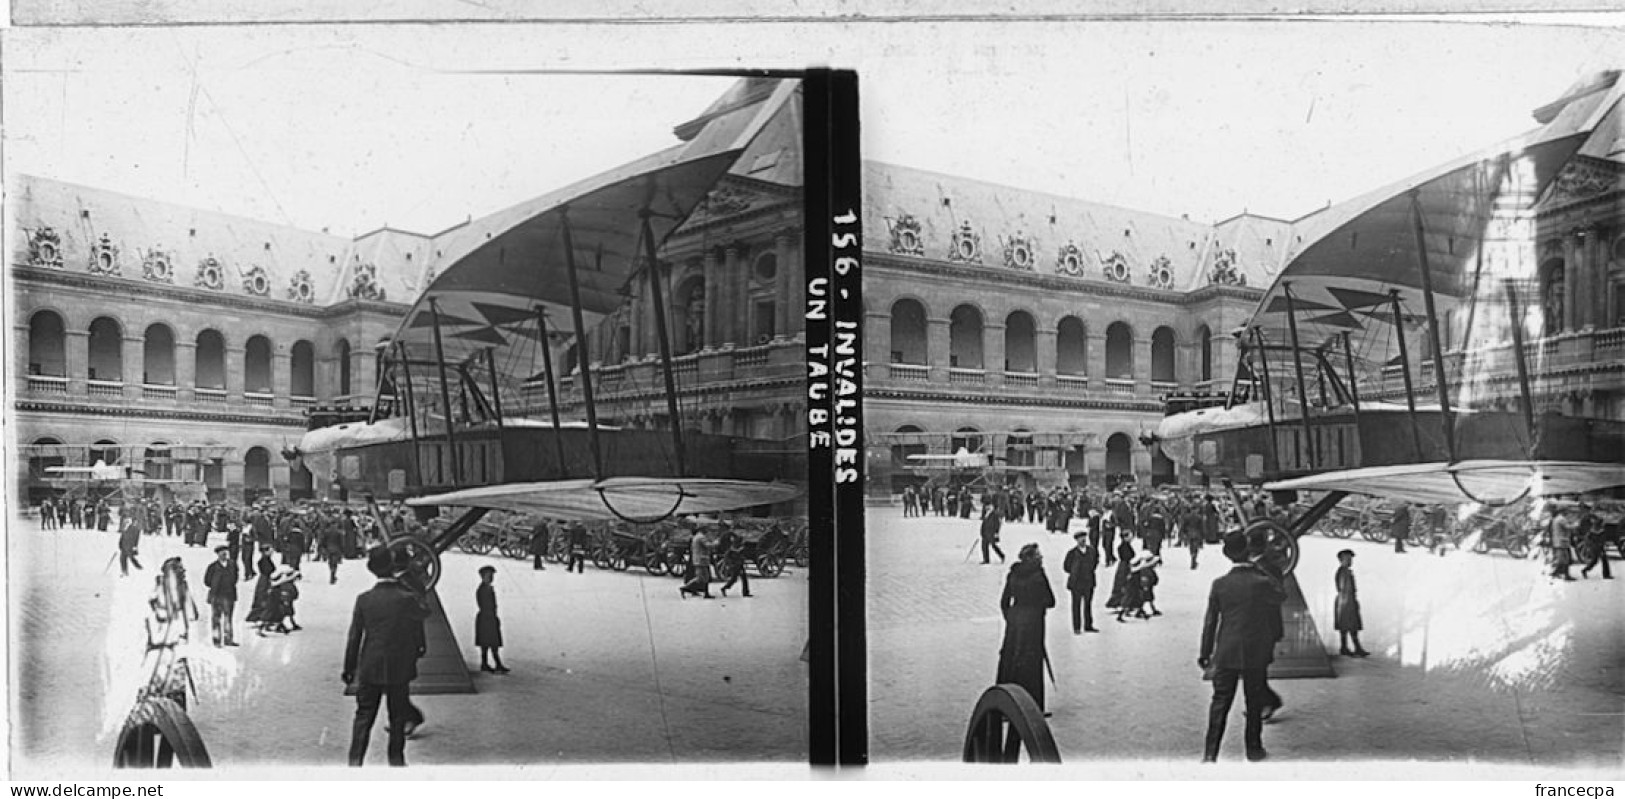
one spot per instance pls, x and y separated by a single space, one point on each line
908 332
46 459
1119 459
966 438
1162 356
1020 343
106 451
211 360
106 350
341 351
47 345
1553 286
1119 351
1205 335
257 365
303 369
1018 448
1071 347
965 338
688 316
909 443
158 356
256 473
155 461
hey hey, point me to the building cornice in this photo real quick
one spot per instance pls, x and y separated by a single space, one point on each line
928 266
1017 400
198 296
128 412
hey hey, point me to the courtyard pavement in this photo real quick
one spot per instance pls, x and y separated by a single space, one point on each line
1476 658
607 667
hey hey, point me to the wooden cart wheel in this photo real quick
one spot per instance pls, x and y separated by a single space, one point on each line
159 734
422 560
1006 721
725 569
1279 545
770 565
655 565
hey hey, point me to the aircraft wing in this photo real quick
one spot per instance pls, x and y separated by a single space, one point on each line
635 498
1467 481
494 273
1346 262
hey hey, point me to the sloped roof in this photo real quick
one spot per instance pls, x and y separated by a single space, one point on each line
1000 215
1260 244
137 227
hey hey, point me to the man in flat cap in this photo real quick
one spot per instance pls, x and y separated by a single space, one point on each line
221 580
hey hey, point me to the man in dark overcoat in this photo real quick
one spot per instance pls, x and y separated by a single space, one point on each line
129 540
381 656
1238 643
1080 565
538 544
991 523
221 580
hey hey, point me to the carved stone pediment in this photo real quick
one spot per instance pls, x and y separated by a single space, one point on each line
104 257
210 274
906 237
966 247
44 247
301 289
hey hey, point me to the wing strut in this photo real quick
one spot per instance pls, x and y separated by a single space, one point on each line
1354 390
445 397
496 402
1440 377
411 411
1405 369
552 393
1518 356
582 358
1297 367
1269 399
665 343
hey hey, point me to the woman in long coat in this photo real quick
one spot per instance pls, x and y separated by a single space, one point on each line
262 587
1027 597
1346 610
487 627
1125 558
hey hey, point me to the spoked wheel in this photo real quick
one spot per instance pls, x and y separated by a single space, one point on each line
655 565
466 544
481 544
1340 531
1517 546
422 560
618 562
159 734
1376 533
1279 545
513 549
801 557
725 570
1005 722
770 565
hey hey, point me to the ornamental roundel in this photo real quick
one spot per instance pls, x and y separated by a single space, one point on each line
104 257
256 282
210 274
1069 260
158 266
1115 267
1162 273
1019 252
364 284
44 247
905 236
966 246
300 288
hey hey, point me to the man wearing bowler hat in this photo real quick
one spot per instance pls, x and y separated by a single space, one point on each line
381 656
1079 565
1238 643
221 580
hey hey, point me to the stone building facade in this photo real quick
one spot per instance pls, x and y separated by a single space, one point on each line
142 328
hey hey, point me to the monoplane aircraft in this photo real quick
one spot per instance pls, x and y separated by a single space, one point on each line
1327 397
456 425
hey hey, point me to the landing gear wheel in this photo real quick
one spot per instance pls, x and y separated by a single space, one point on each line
1006 721
1280 547
159 734
422 560
770 565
